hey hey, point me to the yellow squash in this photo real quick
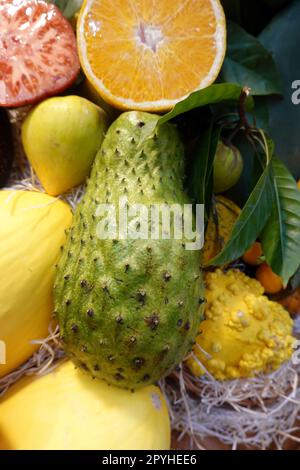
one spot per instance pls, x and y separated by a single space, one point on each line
244 333
222 219
32 230
68 410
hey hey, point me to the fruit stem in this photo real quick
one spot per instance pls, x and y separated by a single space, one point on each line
242 107
243 121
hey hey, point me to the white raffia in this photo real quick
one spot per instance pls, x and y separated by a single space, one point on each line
47 357
256 412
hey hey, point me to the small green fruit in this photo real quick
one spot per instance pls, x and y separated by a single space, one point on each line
61 137
228 167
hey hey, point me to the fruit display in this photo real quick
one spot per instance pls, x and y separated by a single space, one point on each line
129 310
32 231
61 137
149 226
89 415
243 333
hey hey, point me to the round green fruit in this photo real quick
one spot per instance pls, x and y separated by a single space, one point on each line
228 167
61 137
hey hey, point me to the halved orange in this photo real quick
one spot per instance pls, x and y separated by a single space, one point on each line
150 54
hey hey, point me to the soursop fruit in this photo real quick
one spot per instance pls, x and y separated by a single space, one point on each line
129 309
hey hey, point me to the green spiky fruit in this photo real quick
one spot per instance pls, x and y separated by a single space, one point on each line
129 309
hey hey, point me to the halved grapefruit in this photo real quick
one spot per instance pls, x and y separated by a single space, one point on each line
38 55
150 54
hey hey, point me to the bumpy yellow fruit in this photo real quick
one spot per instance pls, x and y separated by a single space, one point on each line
223 217
32 230
243 333
68 410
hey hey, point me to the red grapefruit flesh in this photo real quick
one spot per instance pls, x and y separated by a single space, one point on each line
38 55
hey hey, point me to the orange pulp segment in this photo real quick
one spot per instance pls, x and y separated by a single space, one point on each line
150 54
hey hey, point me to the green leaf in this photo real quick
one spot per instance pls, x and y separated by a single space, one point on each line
232 9
295 281
281 236
213 94
68 7
284 114
250 222
248 63
210 95
261 113
200 185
